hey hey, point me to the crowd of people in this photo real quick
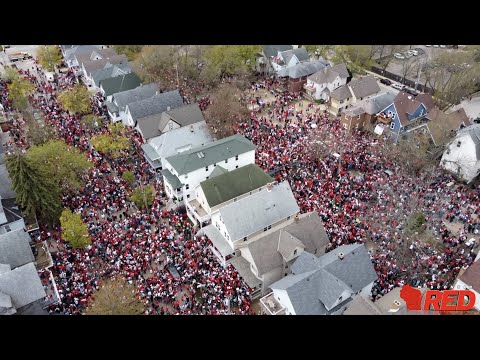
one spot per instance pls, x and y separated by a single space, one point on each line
357 201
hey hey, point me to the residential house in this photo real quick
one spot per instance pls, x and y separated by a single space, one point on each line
11 217
462 155
184 171
70 53
323 82
349 94
109 72
294 78
117 105
154 125
20 284
324 285
223 188
364 112
263 59
470 280
120 83
246 220
389 304
406 113
90 66
152 106
287 59
175 141
269 258
442 127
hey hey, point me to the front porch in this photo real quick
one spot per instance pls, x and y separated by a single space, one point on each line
220 247
151 156
196 213
270 306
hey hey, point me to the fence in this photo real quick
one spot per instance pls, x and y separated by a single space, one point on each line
400 79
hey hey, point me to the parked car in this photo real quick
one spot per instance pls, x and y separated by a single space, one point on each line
413 52
443 46
410 91
7 46
428 45
477 120
407 55
398 86
386 81
399 56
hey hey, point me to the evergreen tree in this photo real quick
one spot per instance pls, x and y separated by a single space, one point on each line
36 192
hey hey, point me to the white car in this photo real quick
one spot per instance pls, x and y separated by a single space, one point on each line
398 86
413 52
443 46
399 56
428 45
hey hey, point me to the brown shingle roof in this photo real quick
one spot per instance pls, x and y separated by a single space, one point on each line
441 125
472 276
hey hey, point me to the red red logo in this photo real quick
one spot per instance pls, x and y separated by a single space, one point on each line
447 300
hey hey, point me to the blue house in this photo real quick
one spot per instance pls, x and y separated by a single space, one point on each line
406 113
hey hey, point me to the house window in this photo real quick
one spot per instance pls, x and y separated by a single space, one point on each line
295 252
214 165
269 227
236 158
206 168
186 176
208 177
315 252
265 229
236 167
179 189
188 196
7 227
226 161
285 275
459 143
288 217
245 238
448 151
217 226
235 199
392 125
187 186
225 233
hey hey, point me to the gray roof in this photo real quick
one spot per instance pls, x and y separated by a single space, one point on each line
186 115
93 65
317 283
155 104
473 131
364 86
303 69
173 180
149 126
272 50
6 190
111 71
217 240
328 74
22 285
243 268
122 99
213 153
377 103
79 49
217 172
5 268
150 152
268 251
300 53
341 93
88 56
120 83
181 139
259 210
111 107
15 248
5 301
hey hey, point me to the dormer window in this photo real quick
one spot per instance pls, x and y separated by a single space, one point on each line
459 143
295 252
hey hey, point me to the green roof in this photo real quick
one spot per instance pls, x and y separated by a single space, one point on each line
120 83
225 187
209 154
218 171
173 180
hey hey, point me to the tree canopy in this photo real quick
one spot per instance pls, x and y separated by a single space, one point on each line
91 121
131 51
36 193
19 90
74 230
116 297
61 162
10 74
129 177
76 99
141 194
225 111
49 57
113 144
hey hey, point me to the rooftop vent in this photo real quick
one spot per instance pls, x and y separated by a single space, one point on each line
341 255
269 186
200 155
297 218
168 108
409 97
191 128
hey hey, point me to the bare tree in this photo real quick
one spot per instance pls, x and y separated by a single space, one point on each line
408 65
225 111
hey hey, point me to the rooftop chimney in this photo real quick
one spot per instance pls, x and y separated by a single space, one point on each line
341 255
297 218
156 92
168 108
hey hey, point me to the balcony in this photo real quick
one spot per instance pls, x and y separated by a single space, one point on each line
384 119
198 211
271 306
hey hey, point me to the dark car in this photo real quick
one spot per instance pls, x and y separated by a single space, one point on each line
476 120
410 91
386 82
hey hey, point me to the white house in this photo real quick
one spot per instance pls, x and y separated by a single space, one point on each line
470 280
184 171
118 104
324 285
263 58
174 142
462 156
223 188
286 59
246 220
323 82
